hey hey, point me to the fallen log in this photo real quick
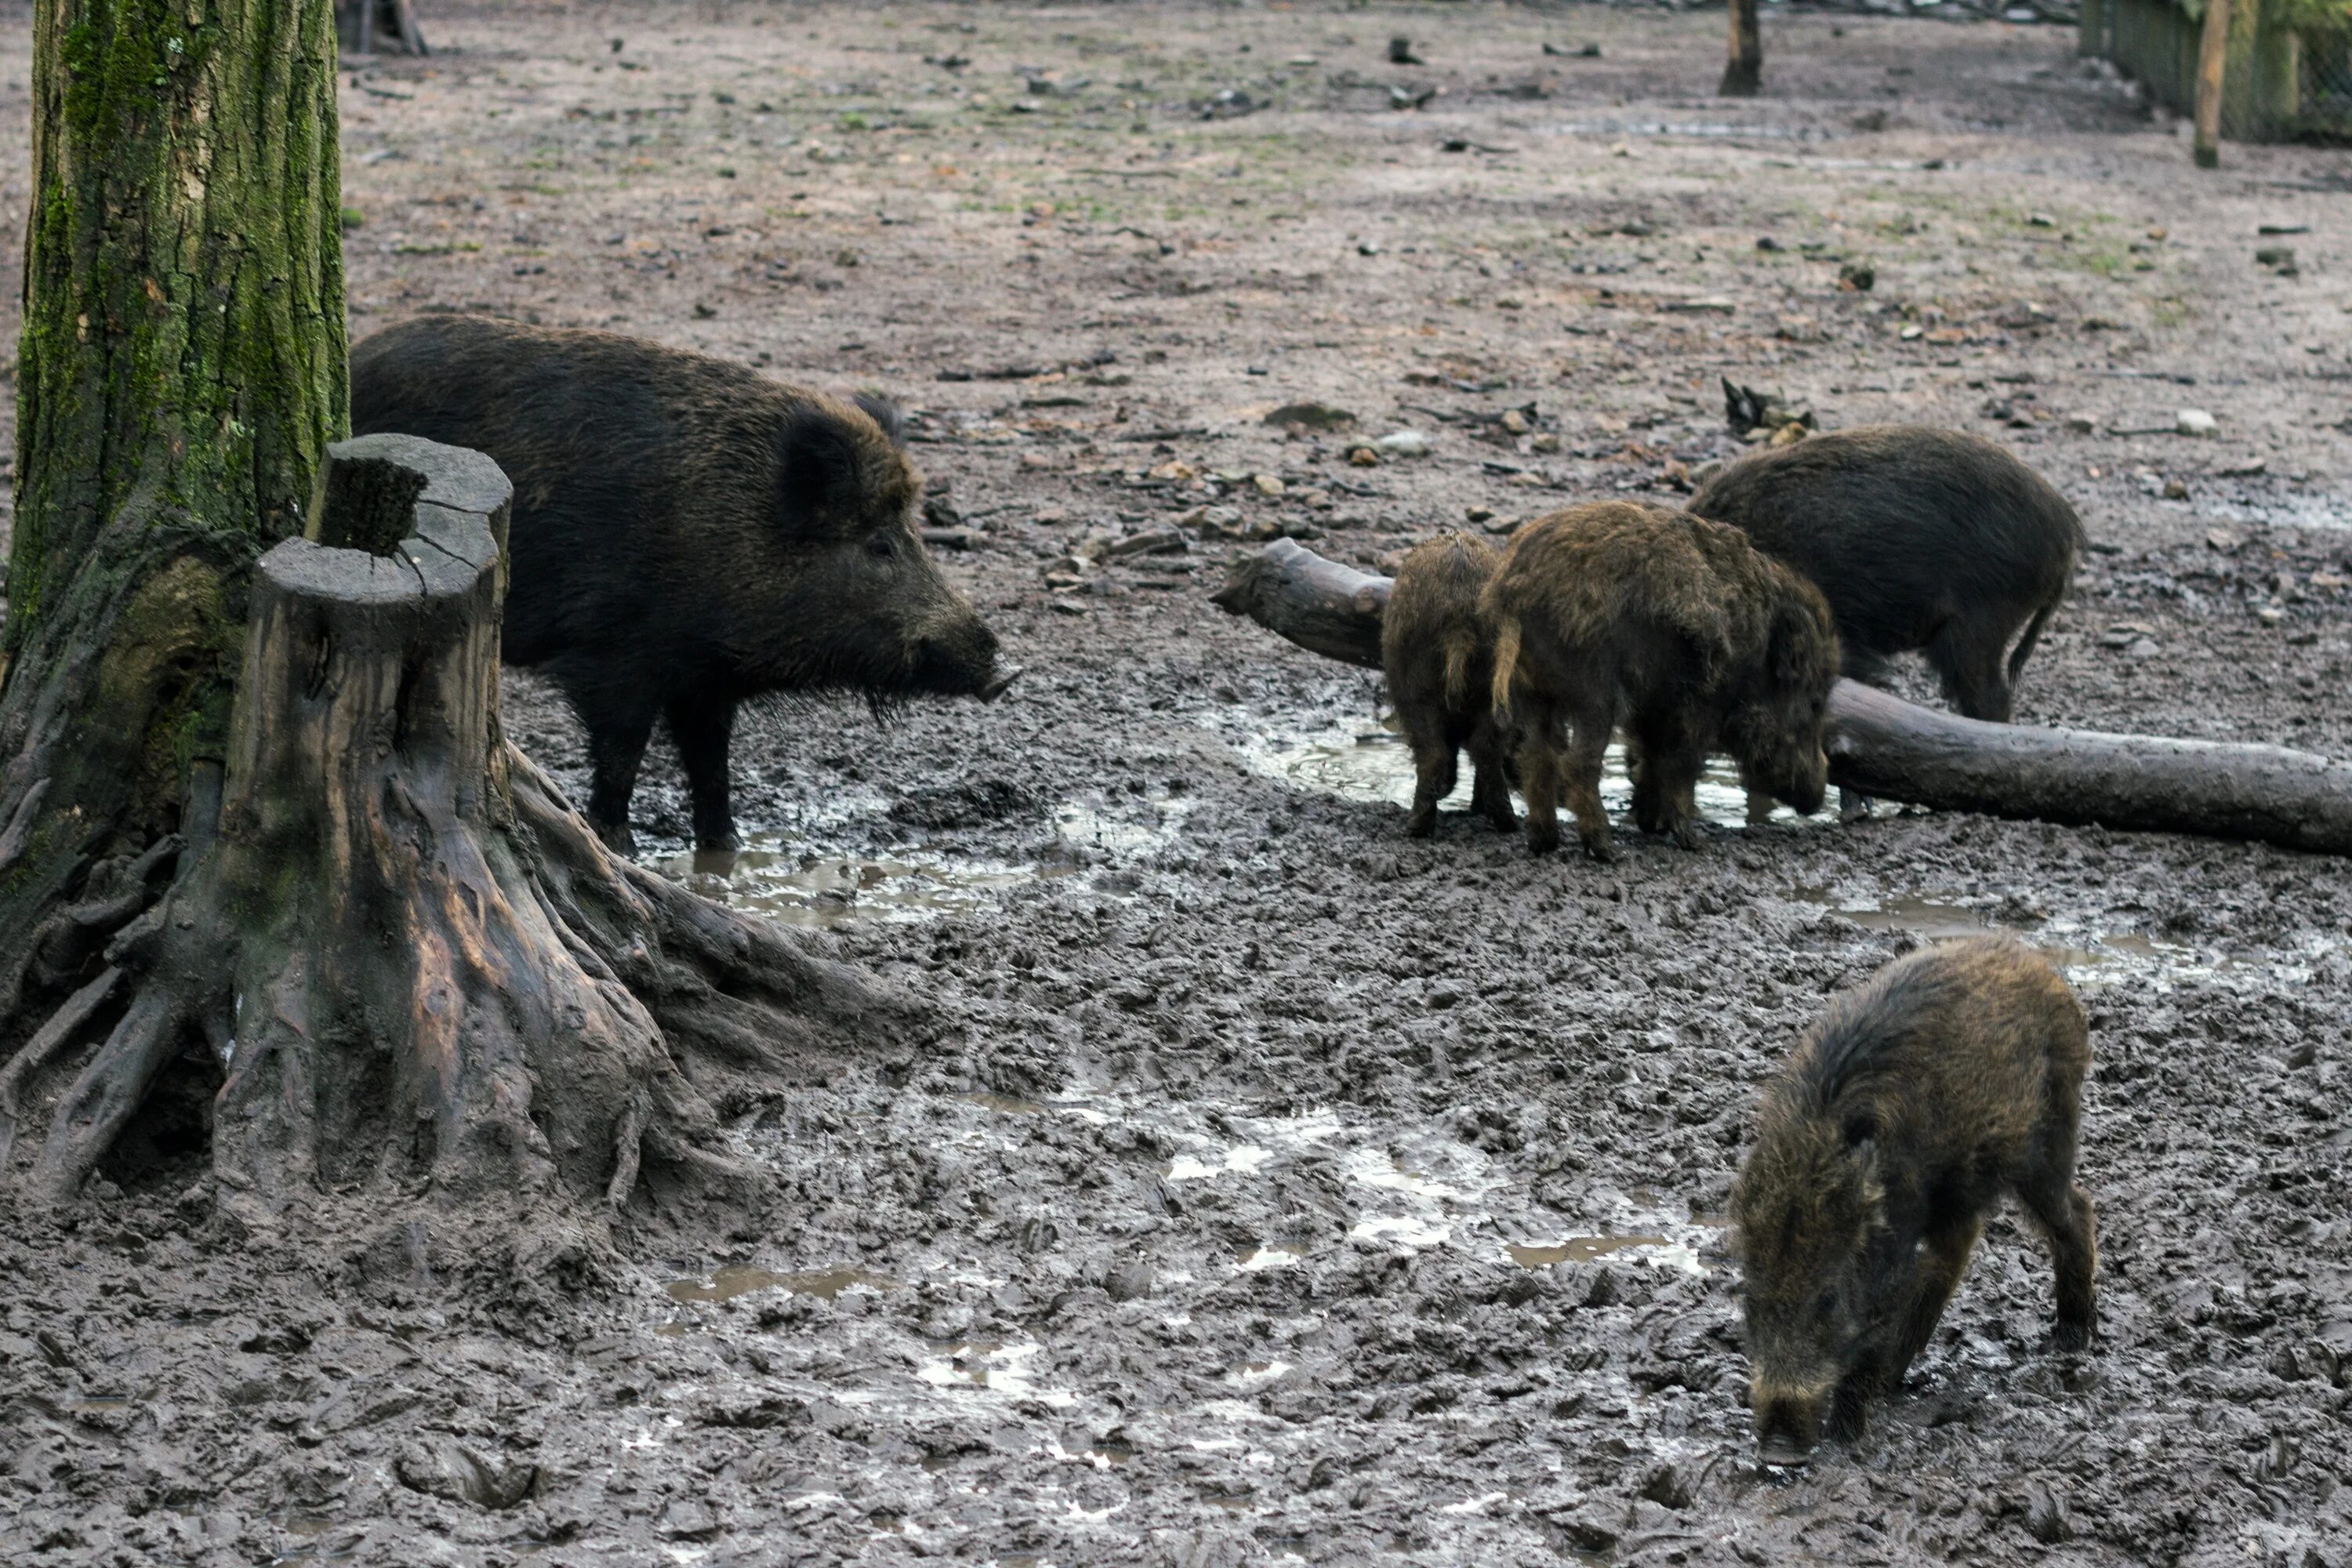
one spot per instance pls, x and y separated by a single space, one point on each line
1881 746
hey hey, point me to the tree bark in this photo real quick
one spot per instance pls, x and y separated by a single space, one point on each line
272 883
1881 746
179 374
1743 71
2212 66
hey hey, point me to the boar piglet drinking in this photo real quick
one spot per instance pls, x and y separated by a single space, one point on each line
1954 1074
686 534
1921 540
1439 653
1618 613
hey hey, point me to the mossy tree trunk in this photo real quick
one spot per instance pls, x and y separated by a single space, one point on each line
276 894
1743 68
181 372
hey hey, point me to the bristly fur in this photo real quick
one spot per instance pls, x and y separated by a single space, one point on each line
1951 1076
687 534
1921 539
1438 649
1673 625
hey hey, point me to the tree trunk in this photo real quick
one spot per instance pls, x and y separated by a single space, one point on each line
2212 66
1881 746
1743 71
275 892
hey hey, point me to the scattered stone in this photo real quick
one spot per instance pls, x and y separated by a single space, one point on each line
2246 469
2283 228
2221 539
2040 220
1314 416
2195 422
1750 411
1363 457
2176 490
1401 53
1227 103
1766 242
1402 444
1268 485
1402 98
1368 248
1857 277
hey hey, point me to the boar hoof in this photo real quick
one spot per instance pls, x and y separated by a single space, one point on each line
1852 806
2072 1337
1601 850
1782 1454
616 836
1688 835
1422 824
1540 842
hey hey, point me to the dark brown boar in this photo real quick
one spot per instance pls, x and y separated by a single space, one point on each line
1952 1076
1619 612
1439 653
687 534
1921 540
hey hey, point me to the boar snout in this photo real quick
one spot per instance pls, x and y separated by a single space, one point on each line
996 688
1788 1422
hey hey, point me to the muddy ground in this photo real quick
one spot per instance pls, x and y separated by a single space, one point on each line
1275 1188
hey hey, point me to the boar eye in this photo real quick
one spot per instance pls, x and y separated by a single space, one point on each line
880 546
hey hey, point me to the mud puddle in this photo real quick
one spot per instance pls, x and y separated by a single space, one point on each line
825 1284
775 875
2090 956
1373 764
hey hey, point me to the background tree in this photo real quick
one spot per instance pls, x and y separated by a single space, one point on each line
288 899
1743 72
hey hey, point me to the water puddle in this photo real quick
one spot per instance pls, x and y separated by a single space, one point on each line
741 1279
1257 1375
1658 1249
1374 766
773 876
1257 1259
997 1366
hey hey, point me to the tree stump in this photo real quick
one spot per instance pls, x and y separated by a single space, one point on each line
402 960
1743 68
1881 746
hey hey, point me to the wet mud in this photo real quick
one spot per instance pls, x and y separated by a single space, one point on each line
1269 1187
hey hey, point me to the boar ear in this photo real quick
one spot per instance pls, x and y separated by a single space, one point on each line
816 467
885 413
1794 633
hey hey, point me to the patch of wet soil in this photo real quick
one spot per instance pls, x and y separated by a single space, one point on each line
1276 1188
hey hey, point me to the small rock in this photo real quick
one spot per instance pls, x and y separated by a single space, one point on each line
1514 421
1368 248
1477 513
2040 220
1401 53
1363 457
2176 490
1268 485
2221 539
2081 424
2195 422
1258 370
1766 242
1547 442
1858 277
2270 614
2246 469
1402 444
1037 459
1314 416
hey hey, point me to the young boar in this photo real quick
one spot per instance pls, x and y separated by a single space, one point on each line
1619 612
1952 1076
686 534
1439 653
1921 539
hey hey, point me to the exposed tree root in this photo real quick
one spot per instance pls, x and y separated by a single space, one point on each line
404 955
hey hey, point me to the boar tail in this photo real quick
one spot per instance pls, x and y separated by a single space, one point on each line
1507 663
2024 649
1461 648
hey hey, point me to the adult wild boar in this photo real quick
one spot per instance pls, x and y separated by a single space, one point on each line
1921 540
687 534
1620 613
1439 655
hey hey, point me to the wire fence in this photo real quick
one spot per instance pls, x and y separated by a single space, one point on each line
2289 73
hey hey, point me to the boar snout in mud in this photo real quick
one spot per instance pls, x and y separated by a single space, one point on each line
1951 1078
687 534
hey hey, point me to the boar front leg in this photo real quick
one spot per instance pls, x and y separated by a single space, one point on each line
703 726
616 744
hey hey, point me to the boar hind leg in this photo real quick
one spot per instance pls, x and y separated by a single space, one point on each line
1433 777
1490 787
1539 777
1942 1261
1580 770
616 744
702 728
1969 664
2063 1212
